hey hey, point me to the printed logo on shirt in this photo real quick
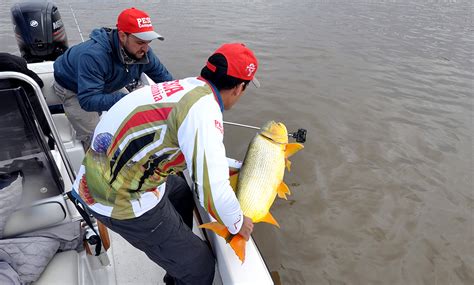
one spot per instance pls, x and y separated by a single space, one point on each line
219 126
144 22
235 224
166 88
156 93
172 87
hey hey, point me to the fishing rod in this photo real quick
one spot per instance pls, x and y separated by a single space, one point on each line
299 135
77 24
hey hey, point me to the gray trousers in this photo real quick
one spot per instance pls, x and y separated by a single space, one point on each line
166 239
83 122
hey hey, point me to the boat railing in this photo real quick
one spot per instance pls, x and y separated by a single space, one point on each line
49 118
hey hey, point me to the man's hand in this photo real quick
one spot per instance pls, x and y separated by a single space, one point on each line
247 228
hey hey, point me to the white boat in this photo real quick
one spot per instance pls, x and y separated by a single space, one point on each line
123 263
45 205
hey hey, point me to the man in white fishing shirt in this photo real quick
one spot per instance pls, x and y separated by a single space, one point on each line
154 133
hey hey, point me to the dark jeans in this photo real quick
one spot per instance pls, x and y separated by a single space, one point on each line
166 239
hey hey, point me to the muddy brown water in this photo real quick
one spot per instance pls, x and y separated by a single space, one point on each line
383 191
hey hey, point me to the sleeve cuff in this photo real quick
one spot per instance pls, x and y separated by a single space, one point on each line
235 227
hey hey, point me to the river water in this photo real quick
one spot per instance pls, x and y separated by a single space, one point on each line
383 191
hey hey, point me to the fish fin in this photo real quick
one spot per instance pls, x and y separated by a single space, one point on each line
237 242
288 164
282 190
292 148
270 219
234 178
219 229
238 245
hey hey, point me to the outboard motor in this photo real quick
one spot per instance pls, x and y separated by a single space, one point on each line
39 31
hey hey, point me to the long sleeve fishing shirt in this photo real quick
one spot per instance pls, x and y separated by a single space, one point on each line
153 132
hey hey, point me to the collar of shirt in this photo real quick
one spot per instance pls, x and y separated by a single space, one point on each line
217 94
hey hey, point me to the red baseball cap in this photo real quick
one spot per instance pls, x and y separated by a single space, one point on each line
137 23
240 62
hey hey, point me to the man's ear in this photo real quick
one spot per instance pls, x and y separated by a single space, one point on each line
122 37
239 89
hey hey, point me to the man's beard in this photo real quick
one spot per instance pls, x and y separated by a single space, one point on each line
132 56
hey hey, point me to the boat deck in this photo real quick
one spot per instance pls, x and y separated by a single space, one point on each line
132 266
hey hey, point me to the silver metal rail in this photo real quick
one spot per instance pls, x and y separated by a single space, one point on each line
49 118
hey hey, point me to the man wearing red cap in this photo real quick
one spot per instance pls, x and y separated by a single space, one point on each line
90 77
158 131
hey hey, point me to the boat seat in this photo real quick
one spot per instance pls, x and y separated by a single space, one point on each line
62 269
44 71
68 138
33 218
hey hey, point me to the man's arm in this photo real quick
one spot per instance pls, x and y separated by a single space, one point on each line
200 138
90 86
156 70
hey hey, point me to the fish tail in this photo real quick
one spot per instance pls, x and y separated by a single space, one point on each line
237 242
219 229
238 245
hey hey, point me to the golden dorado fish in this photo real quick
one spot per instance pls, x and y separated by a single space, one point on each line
260 180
